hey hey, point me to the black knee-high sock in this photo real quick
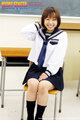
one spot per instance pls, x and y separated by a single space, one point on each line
40 111
30 109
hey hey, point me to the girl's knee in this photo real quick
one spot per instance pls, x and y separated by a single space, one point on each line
33 84
42 87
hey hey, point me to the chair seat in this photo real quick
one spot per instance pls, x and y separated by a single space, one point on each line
54 92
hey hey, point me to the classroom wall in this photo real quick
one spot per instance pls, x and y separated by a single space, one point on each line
10 36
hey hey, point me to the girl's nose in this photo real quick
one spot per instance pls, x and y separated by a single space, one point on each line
50 21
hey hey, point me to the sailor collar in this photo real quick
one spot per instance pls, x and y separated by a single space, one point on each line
53 34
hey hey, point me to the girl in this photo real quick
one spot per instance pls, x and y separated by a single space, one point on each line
47 56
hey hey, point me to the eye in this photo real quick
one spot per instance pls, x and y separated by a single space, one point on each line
47 18
54 19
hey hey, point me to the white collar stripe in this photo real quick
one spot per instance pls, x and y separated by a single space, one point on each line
40 31
57 33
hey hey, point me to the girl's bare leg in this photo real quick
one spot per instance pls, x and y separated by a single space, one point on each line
32 89
43 88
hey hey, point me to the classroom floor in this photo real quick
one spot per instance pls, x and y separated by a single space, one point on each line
13 99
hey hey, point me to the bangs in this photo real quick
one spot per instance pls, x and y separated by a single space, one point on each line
52 15
49 13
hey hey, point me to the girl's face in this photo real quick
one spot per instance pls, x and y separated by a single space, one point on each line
50 23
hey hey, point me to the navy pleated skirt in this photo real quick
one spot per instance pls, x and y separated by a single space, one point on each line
35 72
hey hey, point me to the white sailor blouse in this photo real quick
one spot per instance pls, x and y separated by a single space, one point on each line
56 47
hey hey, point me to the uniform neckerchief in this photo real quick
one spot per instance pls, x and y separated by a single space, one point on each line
41 32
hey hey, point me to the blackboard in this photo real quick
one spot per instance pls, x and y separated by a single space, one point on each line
35 7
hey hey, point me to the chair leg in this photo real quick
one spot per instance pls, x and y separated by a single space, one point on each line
3 82
78 88
60 104
55 104
23 101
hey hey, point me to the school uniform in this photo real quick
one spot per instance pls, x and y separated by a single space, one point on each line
55 45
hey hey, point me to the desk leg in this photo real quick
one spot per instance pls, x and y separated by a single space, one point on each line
1 75
3 80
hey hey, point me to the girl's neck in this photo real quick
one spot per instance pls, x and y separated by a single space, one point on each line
49 31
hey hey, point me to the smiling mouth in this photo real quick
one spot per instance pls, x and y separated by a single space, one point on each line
50 26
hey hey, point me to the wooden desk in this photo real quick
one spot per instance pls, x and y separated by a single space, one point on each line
9 52
14 52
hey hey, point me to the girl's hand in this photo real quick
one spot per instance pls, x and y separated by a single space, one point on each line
41 26
43 76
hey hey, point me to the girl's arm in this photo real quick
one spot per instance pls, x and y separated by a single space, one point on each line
29 32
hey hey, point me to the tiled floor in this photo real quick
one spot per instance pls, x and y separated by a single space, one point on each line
13 100
70 106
